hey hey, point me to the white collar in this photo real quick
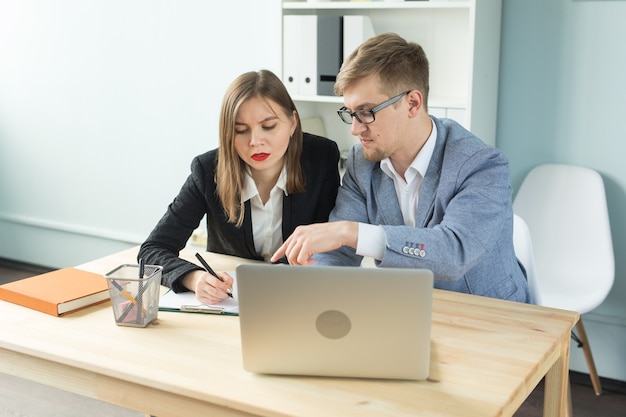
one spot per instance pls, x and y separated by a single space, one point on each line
421 161
249 187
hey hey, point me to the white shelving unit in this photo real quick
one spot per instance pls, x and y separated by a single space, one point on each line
461 40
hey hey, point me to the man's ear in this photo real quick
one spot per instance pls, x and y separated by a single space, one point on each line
416 102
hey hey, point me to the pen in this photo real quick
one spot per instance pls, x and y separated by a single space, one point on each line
125 293
211 271
140 289
201 309
141 268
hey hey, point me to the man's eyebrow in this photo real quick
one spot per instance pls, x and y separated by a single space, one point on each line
362 106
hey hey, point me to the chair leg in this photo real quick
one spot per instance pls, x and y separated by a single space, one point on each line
582 335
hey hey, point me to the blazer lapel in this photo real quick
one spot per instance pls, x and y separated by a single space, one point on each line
287 220
425 205
246 227
384 192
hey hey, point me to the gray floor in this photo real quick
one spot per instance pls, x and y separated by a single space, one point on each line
22 398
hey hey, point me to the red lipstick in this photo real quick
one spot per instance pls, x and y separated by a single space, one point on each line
260 156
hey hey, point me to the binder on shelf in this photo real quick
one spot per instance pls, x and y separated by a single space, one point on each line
300 54
314 47
356 30
291 51
329 52
308 55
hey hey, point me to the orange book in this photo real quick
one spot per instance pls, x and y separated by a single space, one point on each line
57 292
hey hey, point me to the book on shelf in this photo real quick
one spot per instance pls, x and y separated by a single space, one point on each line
57 292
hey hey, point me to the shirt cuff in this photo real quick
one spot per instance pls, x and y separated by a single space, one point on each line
371 241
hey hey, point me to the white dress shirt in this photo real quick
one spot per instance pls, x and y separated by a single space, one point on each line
372 240
267 219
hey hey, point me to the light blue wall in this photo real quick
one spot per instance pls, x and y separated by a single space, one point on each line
103 103
562 99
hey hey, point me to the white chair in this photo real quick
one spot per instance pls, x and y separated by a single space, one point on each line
565 209
523 245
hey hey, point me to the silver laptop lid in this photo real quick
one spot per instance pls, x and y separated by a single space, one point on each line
335 321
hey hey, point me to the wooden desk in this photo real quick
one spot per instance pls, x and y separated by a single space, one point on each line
487 357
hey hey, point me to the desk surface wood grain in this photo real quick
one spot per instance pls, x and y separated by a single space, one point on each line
487 357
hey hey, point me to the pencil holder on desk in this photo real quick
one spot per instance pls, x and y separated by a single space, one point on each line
134 299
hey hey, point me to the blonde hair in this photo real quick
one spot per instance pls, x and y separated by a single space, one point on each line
398 64
231 170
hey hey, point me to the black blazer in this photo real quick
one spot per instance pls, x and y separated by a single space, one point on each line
197 198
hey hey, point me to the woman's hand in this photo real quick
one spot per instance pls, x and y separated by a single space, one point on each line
208 289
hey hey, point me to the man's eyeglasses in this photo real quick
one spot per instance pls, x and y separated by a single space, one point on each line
367 116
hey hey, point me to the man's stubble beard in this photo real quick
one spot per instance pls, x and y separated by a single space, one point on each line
374 155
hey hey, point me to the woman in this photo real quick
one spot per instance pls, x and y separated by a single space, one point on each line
265 178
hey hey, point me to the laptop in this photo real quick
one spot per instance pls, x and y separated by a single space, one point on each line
335 321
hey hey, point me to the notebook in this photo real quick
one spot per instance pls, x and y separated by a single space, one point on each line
57 292
335 321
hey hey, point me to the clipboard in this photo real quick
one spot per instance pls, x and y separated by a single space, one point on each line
186 302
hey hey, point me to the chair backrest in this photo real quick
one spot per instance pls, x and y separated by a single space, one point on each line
522 242
565 209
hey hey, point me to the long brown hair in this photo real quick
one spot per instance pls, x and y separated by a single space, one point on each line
231 170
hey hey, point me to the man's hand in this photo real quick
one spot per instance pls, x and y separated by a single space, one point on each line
308 240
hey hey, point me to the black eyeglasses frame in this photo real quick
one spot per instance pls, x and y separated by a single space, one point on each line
355 114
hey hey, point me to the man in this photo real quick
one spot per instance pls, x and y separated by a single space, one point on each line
419 192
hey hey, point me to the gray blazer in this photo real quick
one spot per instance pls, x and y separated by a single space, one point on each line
464 220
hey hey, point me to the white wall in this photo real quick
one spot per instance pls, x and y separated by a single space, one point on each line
103 104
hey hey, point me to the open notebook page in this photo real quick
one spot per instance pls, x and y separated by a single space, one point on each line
187 302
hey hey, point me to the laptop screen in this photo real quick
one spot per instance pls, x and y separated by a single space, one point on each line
335 321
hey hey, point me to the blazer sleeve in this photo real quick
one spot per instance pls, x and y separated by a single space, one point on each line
173 230
323 176
351 204
463 224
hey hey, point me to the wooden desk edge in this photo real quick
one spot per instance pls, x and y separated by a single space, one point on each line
556 392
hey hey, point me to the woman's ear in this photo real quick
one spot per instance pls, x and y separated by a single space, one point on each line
294 122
